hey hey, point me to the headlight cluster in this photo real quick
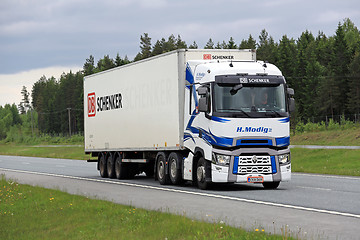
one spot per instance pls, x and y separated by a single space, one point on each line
284 159
221 159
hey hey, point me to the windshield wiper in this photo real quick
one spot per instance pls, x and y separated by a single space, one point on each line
272 113
241 111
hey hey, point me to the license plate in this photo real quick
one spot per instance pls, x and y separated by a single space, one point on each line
258 179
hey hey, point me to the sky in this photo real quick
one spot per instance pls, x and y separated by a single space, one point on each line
42 37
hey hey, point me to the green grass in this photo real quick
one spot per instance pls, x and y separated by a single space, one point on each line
28 212
326 161
347 137
68 152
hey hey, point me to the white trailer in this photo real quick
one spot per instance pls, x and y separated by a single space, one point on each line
190 115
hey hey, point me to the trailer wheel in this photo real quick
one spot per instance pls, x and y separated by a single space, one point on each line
110 163
120 168
102 166
174 167
161 173
271 185
201 174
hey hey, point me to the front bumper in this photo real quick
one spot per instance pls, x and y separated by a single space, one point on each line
265 165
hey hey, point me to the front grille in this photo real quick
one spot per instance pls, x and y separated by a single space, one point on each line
252 164
254 169
250 160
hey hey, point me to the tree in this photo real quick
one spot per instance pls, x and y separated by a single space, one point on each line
193 45
89 66
158 47
248 44
119 61
231 44
352 36
354 86
209 44
266 49
145 47
105 64
340 62
286 59
25 103
180 44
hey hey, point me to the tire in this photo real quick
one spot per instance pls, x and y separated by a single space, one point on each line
271 185
103 166
120 167
110 166
161 169
174 162
201 173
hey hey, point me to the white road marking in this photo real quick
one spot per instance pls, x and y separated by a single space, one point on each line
193 193
315 188
326 176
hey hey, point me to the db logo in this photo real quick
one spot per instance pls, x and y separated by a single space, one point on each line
207 56
91 105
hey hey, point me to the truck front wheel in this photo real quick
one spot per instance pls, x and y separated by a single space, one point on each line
271 185
201 174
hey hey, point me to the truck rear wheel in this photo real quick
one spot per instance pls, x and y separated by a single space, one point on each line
161 173
174 168
120 169
102 166
110 165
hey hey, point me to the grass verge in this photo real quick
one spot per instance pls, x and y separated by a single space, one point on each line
68 152
347 137
326 161
28 212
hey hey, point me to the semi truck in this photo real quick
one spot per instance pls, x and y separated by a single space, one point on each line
200 115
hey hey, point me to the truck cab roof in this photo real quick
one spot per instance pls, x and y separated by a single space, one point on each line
205 71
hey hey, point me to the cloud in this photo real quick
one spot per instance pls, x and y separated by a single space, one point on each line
11 84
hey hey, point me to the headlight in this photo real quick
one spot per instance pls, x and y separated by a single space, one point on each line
221 159
284 159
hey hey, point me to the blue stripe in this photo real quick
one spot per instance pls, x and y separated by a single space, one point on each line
190 79
236 165
221 120
214 140
282 142
273 164
284 120
267 143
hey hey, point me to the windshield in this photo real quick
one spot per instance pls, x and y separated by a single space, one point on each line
250 100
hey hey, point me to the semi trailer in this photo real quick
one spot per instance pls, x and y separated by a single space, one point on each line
200 115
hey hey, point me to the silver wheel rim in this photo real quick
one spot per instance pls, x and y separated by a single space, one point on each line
173 169
161 170
200 173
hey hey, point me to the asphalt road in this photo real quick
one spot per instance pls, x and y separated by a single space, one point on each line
309 206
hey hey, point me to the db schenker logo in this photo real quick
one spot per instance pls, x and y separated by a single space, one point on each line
91 104
207 56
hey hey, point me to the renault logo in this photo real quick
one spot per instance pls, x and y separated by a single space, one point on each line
254 159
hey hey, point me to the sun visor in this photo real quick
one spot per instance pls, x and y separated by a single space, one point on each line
249 80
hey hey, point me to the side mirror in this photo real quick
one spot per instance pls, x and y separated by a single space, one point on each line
291 104
203 104
290 91
203 91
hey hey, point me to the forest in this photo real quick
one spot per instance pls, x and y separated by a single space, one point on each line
323 70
